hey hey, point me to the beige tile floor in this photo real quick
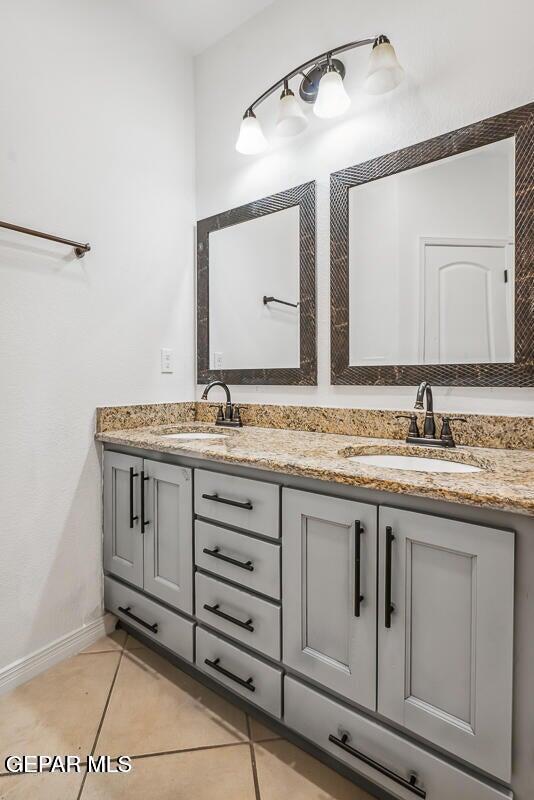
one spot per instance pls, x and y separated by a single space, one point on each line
186 742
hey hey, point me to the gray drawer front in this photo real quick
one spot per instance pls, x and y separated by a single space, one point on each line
262 617
173 631
264 557
266 680
317 717
259 503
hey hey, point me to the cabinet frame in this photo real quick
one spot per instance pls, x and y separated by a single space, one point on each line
448 512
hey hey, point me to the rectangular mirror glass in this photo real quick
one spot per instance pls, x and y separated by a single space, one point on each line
431 262
256 292
254 272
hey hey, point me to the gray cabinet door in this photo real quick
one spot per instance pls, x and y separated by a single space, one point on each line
123 544
323 635
168 536
445 662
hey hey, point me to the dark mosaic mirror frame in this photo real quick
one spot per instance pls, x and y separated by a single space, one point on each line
305 375
518 123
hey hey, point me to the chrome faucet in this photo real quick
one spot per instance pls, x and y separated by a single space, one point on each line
424 393
230 416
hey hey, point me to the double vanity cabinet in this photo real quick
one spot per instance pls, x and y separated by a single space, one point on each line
382 635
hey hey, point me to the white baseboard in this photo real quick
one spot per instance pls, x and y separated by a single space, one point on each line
26 668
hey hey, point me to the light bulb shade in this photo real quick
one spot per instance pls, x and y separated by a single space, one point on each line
384 72
332 99
291 118
251 139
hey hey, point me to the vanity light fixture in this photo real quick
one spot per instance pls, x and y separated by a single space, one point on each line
322 85
384 71
251 139
332 99
291 117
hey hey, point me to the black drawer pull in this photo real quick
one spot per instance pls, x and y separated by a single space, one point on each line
389 608
132 476
144 477
216 553
126 611
247 505
217 667
216 610
410 784
358 596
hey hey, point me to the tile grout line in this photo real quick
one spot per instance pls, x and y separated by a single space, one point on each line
253 760
187 750
44 772
106 705
99 652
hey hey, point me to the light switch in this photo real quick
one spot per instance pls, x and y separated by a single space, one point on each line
217 360
167 359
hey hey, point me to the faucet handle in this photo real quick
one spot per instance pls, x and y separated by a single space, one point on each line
446 433
414 429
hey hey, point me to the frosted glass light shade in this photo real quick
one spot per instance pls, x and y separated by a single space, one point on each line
251 139
384 72
332 99
291 118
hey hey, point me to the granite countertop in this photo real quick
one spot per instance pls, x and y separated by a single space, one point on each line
505 482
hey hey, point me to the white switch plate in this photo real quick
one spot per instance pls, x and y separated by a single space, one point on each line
167 359
217 361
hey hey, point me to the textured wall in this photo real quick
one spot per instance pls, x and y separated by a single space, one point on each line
464 62
96 144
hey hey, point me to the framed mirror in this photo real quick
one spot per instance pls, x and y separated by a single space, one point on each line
256 292
432 260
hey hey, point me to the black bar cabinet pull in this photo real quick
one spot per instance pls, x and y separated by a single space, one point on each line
247 505
126 611
216 553
389 608
247 684
143 520
358 596
216 610
132 476
410 784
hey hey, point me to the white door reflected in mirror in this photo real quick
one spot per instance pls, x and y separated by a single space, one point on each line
431 262
251 261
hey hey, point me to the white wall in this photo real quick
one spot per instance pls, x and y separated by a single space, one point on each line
96 144
464 62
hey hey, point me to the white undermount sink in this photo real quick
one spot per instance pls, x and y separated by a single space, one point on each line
193 435
415 463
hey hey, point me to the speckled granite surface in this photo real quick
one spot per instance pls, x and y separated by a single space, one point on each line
506 480
113 418
479 430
